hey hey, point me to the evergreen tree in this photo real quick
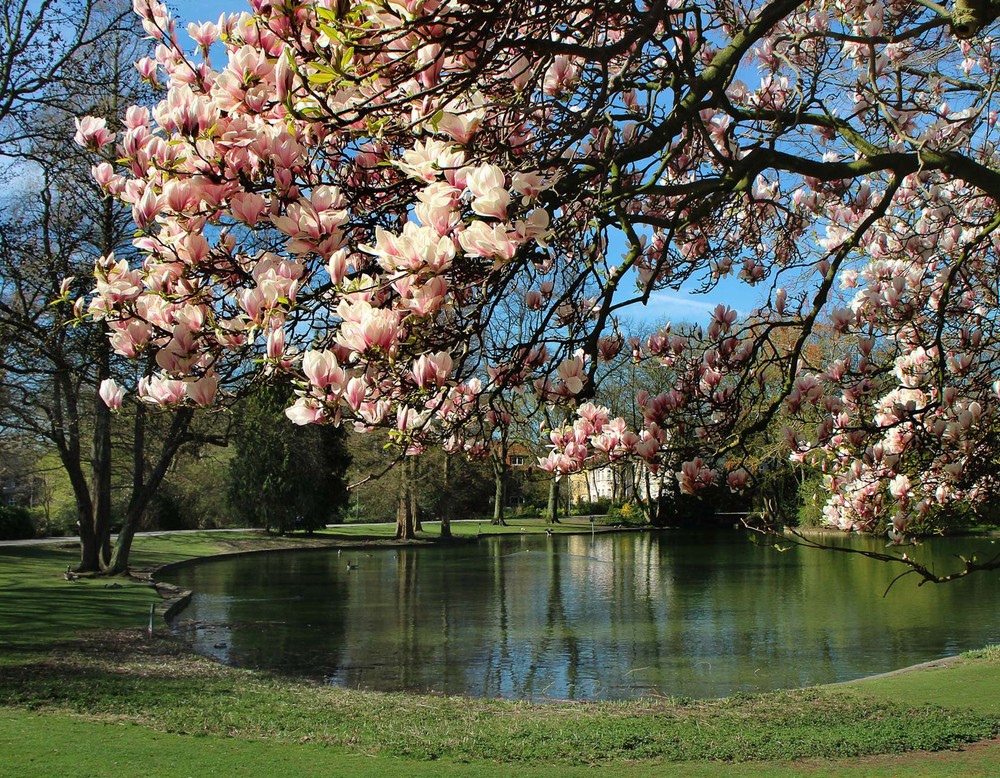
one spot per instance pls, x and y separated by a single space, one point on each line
284 478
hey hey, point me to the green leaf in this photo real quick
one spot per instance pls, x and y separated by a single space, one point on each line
322 78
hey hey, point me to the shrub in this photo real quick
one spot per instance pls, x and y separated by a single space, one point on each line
629 513
15 523
597 507
811 499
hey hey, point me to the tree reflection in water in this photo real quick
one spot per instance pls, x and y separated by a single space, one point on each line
575 617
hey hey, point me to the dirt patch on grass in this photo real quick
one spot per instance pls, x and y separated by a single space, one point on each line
123 652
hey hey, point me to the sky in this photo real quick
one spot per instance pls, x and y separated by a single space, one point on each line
666 305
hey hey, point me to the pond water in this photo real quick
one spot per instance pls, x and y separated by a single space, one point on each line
616 616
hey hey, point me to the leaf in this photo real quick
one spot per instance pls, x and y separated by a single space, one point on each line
323 77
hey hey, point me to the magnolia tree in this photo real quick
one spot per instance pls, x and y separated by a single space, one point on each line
350 191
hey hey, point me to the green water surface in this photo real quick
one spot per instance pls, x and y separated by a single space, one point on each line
574 617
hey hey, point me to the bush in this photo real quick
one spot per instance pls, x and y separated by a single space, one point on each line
630 513
15 523
811 500
597 507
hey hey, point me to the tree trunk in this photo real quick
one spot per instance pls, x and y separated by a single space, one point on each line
90 558
414 497
552 512
100 461
90 547
143 489
446 505
500 491
405 529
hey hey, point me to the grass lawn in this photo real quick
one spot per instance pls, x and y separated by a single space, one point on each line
84 691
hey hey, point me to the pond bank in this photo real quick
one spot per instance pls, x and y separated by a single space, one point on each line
65 704
623 616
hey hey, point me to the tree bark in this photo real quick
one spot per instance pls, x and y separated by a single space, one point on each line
100 461
500 484
144 488
446 505
405 529
414 497
552 512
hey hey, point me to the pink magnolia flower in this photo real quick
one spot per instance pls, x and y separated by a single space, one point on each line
493 241
323 370
276 343
694 476
572 372
484 179
247 207
560 75
534 300
899 487
432 369
146 208
438 207
355 393
112 394
427 158
597 415
92 133
426 299
204 34
737 479
366 328
202 390
492 204
305 410
157 390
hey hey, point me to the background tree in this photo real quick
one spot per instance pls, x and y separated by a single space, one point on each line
42 59
284 482
447 486
54 223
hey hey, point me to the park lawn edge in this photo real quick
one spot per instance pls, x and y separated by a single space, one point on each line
122 676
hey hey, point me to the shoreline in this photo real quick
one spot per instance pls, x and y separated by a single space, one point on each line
175 599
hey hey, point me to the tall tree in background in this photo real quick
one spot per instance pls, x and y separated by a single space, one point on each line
60 61
43 50
281 481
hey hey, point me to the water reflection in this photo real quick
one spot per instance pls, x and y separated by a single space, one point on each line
576 617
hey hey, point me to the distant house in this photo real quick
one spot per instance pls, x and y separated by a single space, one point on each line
519 456
520 488
619 482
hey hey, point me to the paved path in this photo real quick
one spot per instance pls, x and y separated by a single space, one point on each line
75 539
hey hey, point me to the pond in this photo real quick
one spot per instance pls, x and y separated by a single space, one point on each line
616 616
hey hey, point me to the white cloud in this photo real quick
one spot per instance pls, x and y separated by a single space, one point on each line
667 303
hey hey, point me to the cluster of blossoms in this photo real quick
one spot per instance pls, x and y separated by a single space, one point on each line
408 208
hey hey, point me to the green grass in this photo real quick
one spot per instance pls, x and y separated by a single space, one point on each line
44 745
84 691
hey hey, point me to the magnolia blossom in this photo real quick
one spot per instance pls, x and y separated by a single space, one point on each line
323 370
572 372
112 394
432 369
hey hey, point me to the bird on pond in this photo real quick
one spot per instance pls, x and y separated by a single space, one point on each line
351 566
548 532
